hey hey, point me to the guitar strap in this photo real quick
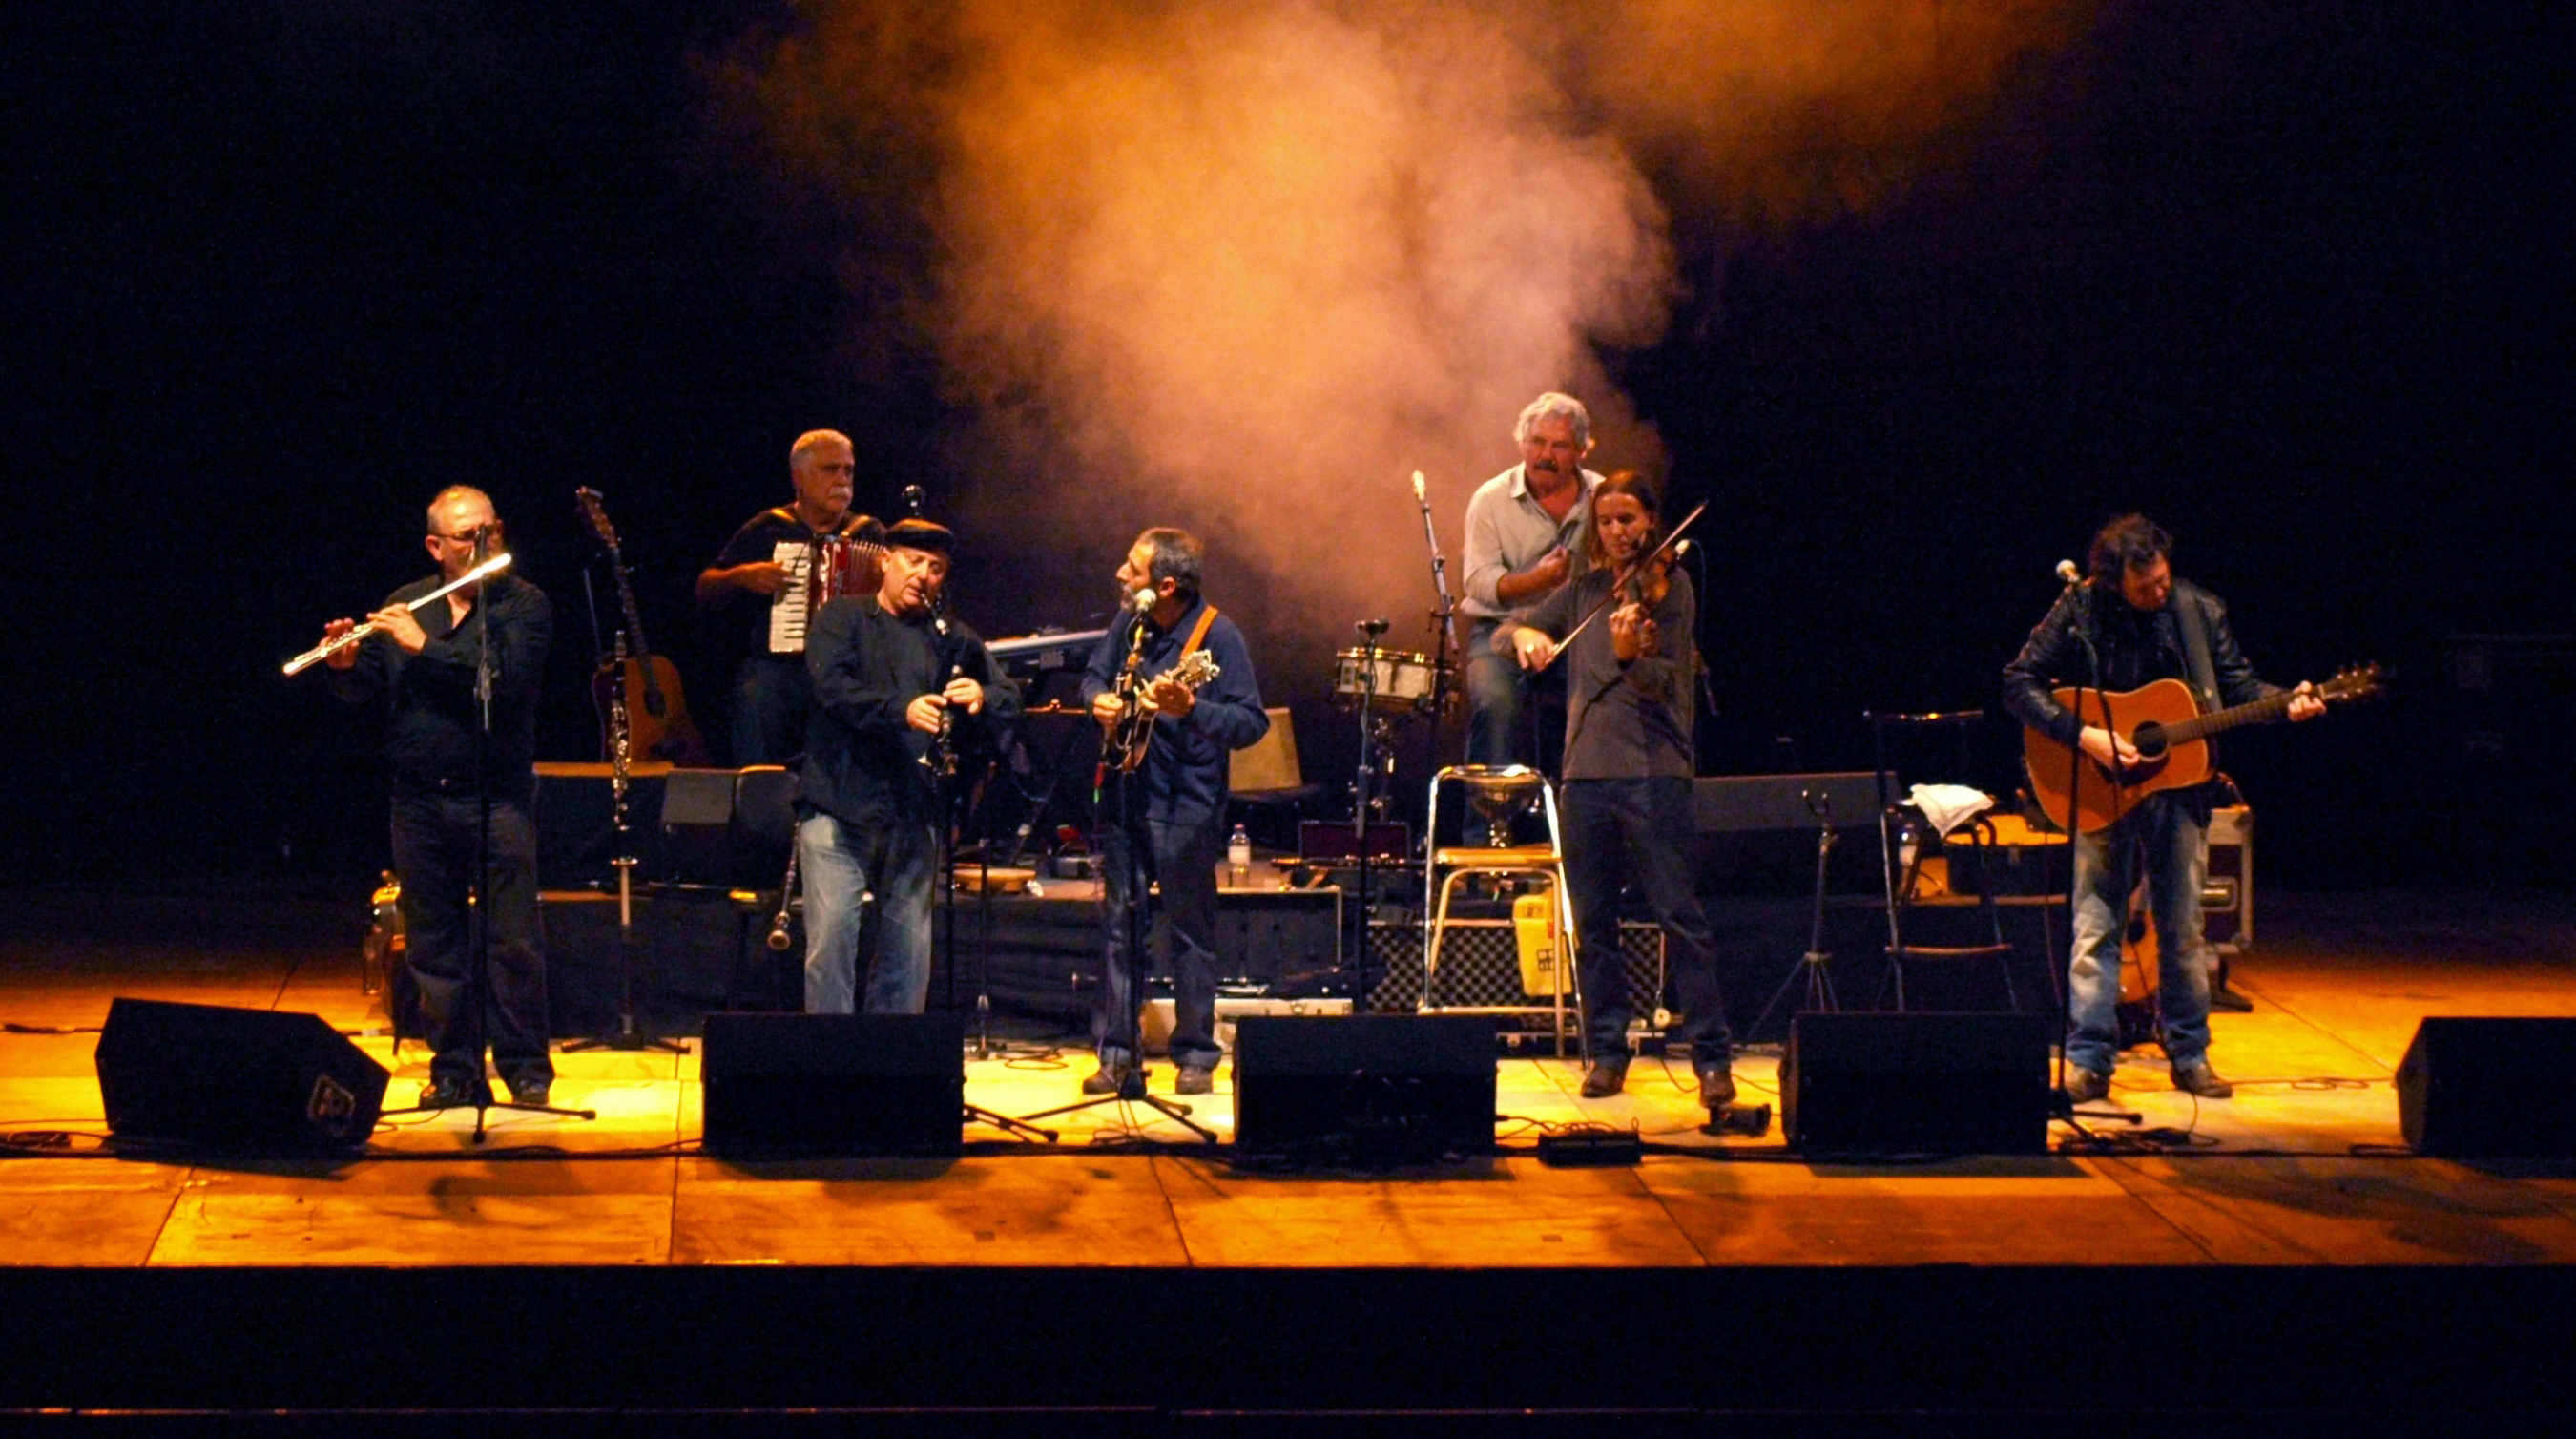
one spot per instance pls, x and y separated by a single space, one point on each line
1198 635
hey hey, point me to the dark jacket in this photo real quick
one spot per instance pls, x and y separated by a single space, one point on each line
1185 765
2136 649
863 763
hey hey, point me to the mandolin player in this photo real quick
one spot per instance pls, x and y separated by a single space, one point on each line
1163 821
2143 625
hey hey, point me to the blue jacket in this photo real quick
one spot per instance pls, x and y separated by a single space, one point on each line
1184 768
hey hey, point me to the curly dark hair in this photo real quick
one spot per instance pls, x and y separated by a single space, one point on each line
2126 543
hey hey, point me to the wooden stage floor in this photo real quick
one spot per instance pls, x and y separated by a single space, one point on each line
2303 1170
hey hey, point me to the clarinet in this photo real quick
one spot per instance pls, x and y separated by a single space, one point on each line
941 759
786 900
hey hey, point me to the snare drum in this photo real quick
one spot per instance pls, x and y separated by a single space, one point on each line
1403 678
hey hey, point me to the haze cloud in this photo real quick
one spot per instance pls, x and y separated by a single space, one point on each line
1244 265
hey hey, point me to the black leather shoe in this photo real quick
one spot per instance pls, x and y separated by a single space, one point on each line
454 1094
2202 1080
1105 1080
1195 1079
2083 1086
2227 1001
1716 1087
535 1091
1606 1077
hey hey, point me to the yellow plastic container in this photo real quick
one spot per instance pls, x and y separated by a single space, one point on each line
1541 943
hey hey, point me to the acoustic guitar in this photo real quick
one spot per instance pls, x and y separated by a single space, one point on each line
657 715
2163 721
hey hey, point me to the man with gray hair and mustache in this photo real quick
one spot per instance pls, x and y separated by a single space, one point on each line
763 584
1524 540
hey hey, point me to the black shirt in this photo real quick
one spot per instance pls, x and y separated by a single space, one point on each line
779 537
434 722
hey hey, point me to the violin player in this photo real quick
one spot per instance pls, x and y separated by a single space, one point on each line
1628 763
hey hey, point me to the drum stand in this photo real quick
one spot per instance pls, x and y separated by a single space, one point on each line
1364 802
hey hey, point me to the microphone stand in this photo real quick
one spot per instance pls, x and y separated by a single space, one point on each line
477 998
2063 1107
1444 631
1136 861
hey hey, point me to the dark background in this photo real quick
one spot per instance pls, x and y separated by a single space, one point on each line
2294 281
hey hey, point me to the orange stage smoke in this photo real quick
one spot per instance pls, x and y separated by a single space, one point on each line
1245 265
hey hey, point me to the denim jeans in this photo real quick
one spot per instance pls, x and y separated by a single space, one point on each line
838 864
1512 717
770 697
1622 830
434 837
2162 837
1181 860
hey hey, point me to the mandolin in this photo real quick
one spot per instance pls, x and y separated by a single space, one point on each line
1125 745
657 716
2163 720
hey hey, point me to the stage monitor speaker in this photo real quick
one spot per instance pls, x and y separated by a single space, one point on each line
2489 1087
234 1078
1364 1088
834 1084
1916 1084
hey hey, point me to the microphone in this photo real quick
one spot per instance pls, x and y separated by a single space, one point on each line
1143 601
2066 571
1417 489
1681 548
912 500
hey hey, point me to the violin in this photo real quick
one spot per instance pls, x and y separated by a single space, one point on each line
1649 581
1645 584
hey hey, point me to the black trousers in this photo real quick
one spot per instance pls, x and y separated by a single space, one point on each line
434 841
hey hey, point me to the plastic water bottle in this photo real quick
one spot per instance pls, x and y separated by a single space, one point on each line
1238 857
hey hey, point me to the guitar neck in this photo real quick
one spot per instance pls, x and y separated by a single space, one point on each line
2262 711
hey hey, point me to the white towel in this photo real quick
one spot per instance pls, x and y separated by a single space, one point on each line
1949 805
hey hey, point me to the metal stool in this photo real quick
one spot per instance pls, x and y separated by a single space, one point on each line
1499 792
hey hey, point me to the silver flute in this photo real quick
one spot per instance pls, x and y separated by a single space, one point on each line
328 648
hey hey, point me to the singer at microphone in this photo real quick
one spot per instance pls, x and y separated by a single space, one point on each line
1163 810
2094 667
